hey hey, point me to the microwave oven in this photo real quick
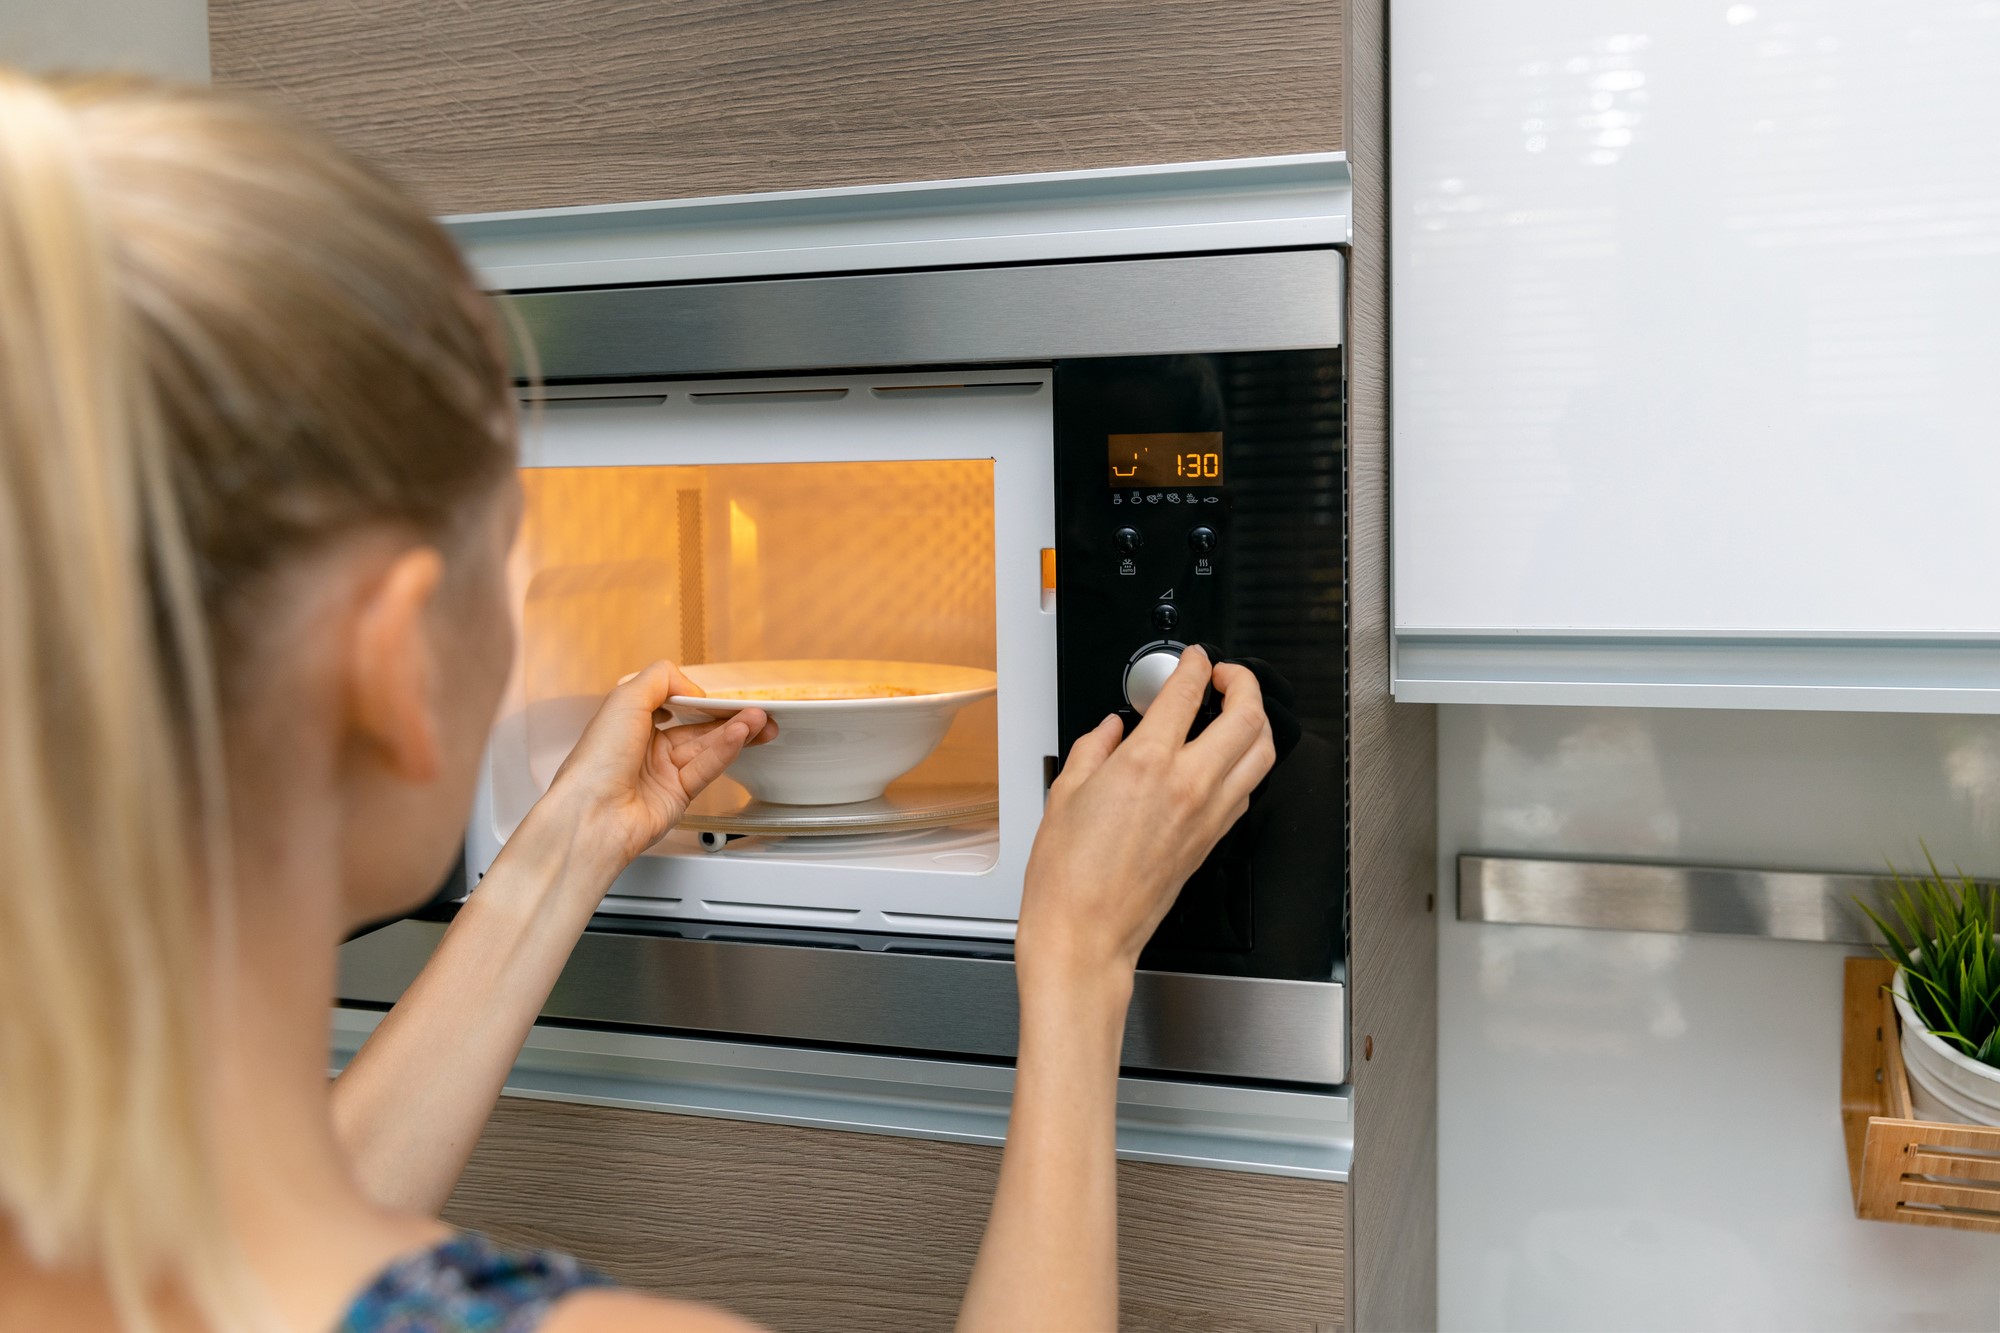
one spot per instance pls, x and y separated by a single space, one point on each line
1059 473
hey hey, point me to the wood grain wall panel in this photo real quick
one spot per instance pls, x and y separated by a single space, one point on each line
1222 1252
809 1229
527 103
1393 758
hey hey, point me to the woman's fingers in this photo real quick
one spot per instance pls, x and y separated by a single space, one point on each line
685 685
623 725
1231 735
653 685
1174 708
683 733
702 760
684 742
1229 676
680 733
1250 768
681 739
650 684
1092 749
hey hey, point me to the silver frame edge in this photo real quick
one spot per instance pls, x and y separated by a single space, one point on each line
1871 673
1262 1131
1169 208
1031 313
1179 1023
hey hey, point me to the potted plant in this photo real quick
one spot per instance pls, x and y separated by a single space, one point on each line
1947 991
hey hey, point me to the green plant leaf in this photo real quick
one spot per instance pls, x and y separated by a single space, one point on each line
1941 933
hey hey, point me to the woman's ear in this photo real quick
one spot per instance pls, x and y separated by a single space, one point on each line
392 670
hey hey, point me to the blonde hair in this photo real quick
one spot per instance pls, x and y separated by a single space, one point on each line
222 339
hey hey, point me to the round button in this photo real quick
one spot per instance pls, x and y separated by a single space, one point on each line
1128 539
1145 676
1201 540
1165 617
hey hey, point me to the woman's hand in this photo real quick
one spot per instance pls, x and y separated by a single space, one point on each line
413 1102
626 782
1126 824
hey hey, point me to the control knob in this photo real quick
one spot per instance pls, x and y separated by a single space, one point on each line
1146 674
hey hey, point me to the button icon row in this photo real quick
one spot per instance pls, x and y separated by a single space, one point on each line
1170 497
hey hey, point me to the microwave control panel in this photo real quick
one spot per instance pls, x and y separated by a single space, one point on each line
1143 463
1155 562
1201 500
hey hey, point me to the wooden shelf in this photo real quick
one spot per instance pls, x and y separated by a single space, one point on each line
1904 1169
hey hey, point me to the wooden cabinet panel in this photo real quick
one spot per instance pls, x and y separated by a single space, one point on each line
1393 962
819 1230
527 103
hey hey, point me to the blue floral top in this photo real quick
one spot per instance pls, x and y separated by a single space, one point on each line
468 1285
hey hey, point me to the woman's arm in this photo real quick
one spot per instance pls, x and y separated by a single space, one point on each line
412 1103
1125 826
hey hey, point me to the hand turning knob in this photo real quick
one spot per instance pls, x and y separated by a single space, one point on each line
1147 674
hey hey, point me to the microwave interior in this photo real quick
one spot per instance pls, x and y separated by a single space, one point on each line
888 519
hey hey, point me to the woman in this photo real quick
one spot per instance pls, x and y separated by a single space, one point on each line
257 490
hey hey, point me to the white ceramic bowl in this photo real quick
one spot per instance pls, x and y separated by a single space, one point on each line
833 750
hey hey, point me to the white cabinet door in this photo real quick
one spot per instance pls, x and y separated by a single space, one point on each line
1697 334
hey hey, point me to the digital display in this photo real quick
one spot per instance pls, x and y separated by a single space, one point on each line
1192 458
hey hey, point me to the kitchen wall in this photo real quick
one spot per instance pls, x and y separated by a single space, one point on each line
1642 1131
165 37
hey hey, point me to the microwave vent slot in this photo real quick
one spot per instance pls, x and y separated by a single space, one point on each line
614 905
938 924
790 916
594 400
956 390
770 396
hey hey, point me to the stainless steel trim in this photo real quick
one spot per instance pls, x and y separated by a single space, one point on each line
1262 301
1818 906
1227 1027
1875 673
1176 208
1229 1127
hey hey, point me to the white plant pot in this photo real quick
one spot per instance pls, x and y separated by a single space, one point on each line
1944 1083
